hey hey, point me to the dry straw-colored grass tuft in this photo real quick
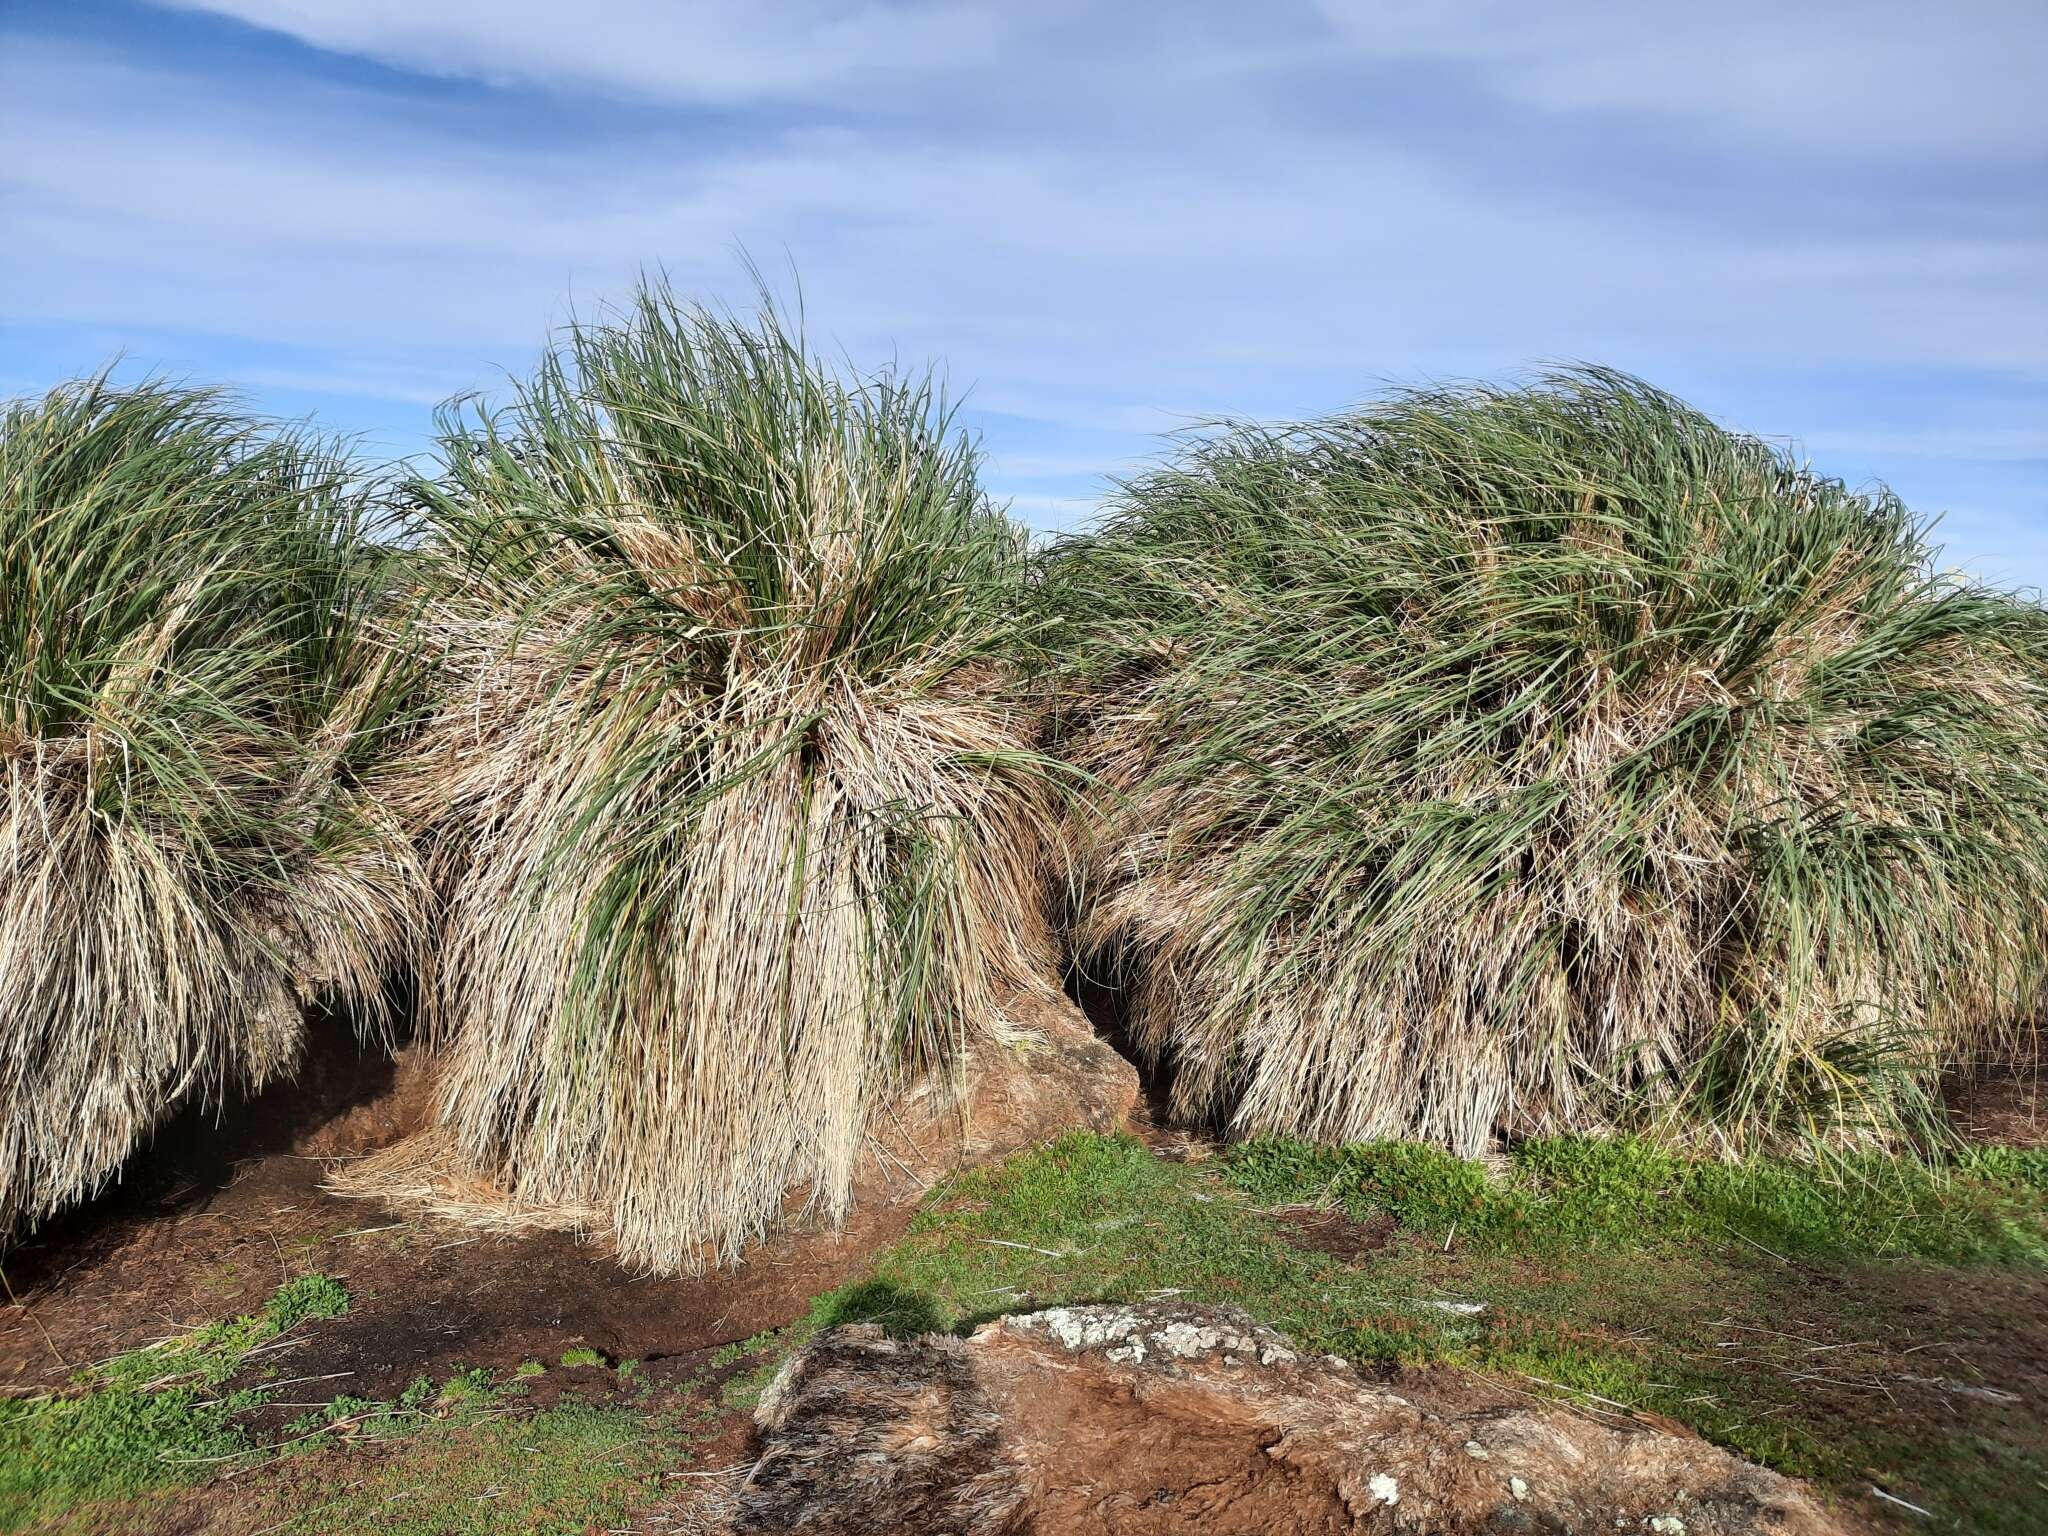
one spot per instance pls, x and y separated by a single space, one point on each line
730 794
427 1173
190 703
1518 760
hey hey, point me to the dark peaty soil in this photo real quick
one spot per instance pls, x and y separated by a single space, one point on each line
2002 1103
166 1255
226 1207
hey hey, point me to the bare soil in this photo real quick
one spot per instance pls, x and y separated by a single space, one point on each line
167 1255
226 1207
2002 1103
1331 1231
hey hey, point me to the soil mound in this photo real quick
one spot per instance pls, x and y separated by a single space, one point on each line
1169 1418
1055 1075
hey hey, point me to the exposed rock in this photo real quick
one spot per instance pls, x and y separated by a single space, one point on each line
1169 1418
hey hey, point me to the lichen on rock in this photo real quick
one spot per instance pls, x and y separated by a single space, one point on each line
1165 1417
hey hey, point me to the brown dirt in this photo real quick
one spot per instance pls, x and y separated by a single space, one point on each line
209 1219
224 1208
2003 1103
1331 1231
217 1216
424 1298
1959 1359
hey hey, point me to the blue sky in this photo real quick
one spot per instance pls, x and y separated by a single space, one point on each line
1825 222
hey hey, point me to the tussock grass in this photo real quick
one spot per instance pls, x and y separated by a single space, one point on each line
1527 760
731 793
191 697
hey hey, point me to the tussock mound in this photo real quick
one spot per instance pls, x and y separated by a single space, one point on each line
1516 760
191 700
1007 1098
730 792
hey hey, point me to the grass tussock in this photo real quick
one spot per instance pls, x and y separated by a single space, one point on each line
191 699
731 792
1527 760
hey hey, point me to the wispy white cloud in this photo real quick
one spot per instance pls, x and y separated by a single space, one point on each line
672 50
1302 244
425 387
1045 466
1097 271
1860 76
1128 293
1035 507
291 241
1897 76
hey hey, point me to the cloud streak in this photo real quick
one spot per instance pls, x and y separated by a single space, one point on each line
698 50
1104 228
1854 76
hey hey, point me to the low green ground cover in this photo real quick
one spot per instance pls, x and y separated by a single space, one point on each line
571 1467
1984 1207
1845 1322
1770 1306
455 1455
149 1416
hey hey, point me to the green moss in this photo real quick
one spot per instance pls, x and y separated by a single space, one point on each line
2018 1166
567 1468
901 1313
56 1451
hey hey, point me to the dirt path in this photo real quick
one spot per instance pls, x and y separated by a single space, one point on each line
425 1297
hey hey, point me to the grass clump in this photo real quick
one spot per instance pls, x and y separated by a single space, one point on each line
192 697
1536 760
308 1296
467 1384
901 1313
730 792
